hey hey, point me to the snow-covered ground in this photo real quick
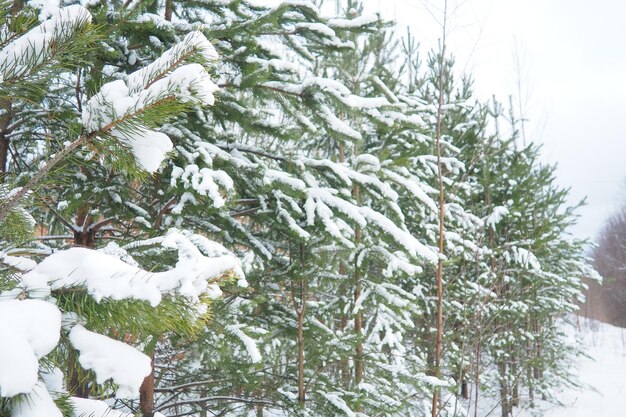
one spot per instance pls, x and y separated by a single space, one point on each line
603 373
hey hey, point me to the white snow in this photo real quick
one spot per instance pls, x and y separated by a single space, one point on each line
106 276
53 378
494 218
335 399
38 404
18 262
29 330
31 49
353 23
110 359
602 374
194 42
118 102
94 408
249 343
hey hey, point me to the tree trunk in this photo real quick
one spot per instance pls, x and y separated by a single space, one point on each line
169 9
344 366
84 234
146 392
301 395
439 277
504 390
4 156
358 317
5 119
17 6
359 366
464 390
301 311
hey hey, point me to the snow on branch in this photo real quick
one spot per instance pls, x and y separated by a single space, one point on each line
105 276
250 344
110 359
194 45
29 330
39 403
84 407
36 46
122 108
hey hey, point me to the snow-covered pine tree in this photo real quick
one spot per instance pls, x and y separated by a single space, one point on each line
530 271
73 323
240 175
316 166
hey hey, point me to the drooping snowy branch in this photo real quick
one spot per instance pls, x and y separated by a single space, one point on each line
122 108
32 49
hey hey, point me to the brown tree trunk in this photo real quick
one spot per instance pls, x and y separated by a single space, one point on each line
439 278
17 6
146 392
301 394
5 120
4 156
359 366
84 234
464 390
343 323
301 312
504 390
169 9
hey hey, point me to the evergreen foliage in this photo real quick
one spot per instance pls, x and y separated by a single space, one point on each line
137 135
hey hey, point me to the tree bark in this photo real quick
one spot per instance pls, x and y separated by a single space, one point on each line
439 278
301 312
84 234
301 394
504 390
359 366
146 392
17 6
5 120
169 9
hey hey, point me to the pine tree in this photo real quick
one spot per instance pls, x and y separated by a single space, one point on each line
312 159
105 300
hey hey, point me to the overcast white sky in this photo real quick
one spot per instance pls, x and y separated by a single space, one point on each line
572 57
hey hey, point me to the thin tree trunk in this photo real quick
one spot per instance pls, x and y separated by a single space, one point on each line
84 234
17 6
358 317
5 120
515 387
146 392
438 341
4 154
301 394
478 353
301 312
169 9
343 322
504 390
359 365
